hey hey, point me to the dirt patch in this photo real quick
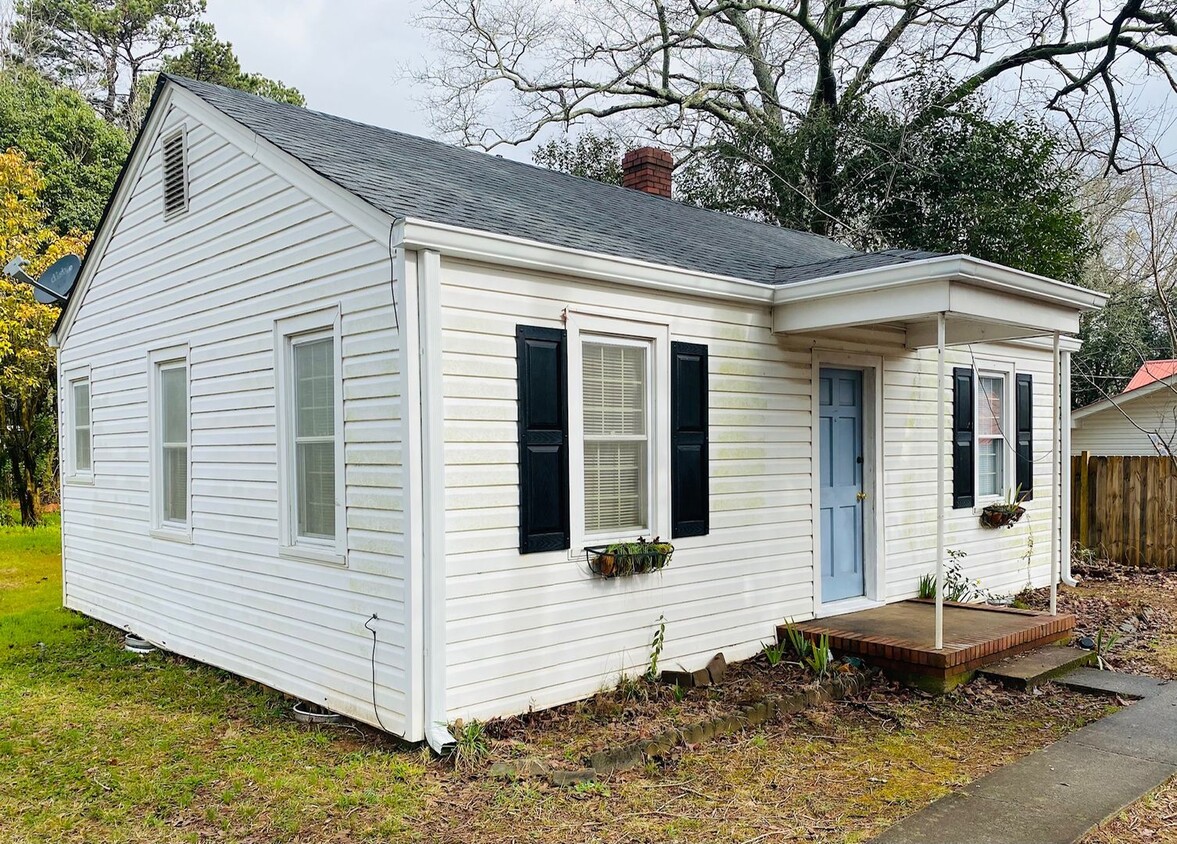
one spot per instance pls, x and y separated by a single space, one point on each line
1136 609
639 709
1152 819
837 773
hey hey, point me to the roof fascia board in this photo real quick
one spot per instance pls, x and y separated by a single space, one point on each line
128 180
943 268
1122 399
367 218
491 248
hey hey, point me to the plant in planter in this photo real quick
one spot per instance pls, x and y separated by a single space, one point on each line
620 559
1006 513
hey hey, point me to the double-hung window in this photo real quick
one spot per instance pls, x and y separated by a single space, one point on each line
616 410
170 437
619 425
994 451
311 438
81 466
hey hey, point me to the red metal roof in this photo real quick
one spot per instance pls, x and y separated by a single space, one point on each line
1150 372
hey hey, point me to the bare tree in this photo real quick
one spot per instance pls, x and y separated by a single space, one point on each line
779 70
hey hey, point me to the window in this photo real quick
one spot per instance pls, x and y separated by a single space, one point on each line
314 438
993 452
310 421
81 441
175 174
170 432
615 382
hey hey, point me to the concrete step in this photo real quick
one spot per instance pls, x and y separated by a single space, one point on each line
1113 683
1033 668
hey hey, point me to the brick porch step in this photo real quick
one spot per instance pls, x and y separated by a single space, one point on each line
1033 668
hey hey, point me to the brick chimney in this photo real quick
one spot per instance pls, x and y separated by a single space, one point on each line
648 169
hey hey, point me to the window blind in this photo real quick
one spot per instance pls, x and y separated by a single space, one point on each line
615 385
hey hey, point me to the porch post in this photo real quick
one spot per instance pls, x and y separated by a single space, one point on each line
940 396
1056 477
1065 576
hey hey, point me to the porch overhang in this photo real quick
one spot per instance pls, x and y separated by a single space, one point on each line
980 302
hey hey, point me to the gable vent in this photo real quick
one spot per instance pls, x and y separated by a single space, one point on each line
175 175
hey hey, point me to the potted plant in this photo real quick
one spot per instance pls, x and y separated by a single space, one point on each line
1005 513
620 559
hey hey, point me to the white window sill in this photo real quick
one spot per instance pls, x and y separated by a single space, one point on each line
172 535
80 480
309 554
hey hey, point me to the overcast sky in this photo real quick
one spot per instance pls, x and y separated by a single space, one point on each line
344 55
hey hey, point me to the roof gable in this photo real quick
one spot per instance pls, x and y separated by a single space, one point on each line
407 176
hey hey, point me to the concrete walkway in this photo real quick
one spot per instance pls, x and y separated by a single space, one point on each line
1057 795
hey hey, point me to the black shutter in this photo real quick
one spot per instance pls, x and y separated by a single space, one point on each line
542 367
963 445
1024 406
689 498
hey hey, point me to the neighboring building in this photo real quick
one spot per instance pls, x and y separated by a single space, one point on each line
1139 422
341 408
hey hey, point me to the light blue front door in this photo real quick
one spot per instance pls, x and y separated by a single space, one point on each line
840 440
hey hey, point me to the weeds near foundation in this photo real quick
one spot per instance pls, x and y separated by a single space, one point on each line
656 649
927 587
801 646
680 693
633 688
774 652
470 746
819 658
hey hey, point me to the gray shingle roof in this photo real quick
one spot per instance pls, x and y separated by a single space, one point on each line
851 263
407 176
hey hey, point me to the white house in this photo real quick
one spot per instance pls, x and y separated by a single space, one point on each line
341 408
1139 422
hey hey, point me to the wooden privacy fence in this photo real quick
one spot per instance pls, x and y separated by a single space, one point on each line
1125 508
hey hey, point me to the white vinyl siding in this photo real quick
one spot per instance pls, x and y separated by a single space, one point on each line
615 379
173 422
993 450
314 437
80 428
254 247
534 630
1107 432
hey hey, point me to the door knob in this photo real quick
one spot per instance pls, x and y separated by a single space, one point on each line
861 496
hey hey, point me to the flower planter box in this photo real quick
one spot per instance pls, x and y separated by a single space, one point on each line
627 558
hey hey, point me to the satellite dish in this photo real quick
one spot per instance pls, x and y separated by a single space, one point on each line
56 283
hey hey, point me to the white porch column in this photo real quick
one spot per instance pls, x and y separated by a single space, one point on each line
1065 506
940 397
1056 476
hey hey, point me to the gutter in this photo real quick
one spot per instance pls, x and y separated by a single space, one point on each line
943 268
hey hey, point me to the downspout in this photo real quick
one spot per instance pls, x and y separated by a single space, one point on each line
940 395
433 562
1067 578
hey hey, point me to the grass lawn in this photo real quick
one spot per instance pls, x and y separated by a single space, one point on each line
100 745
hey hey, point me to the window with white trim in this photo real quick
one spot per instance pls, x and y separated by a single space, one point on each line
171 441
994 451
314 437
311 437
81 440
616 408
